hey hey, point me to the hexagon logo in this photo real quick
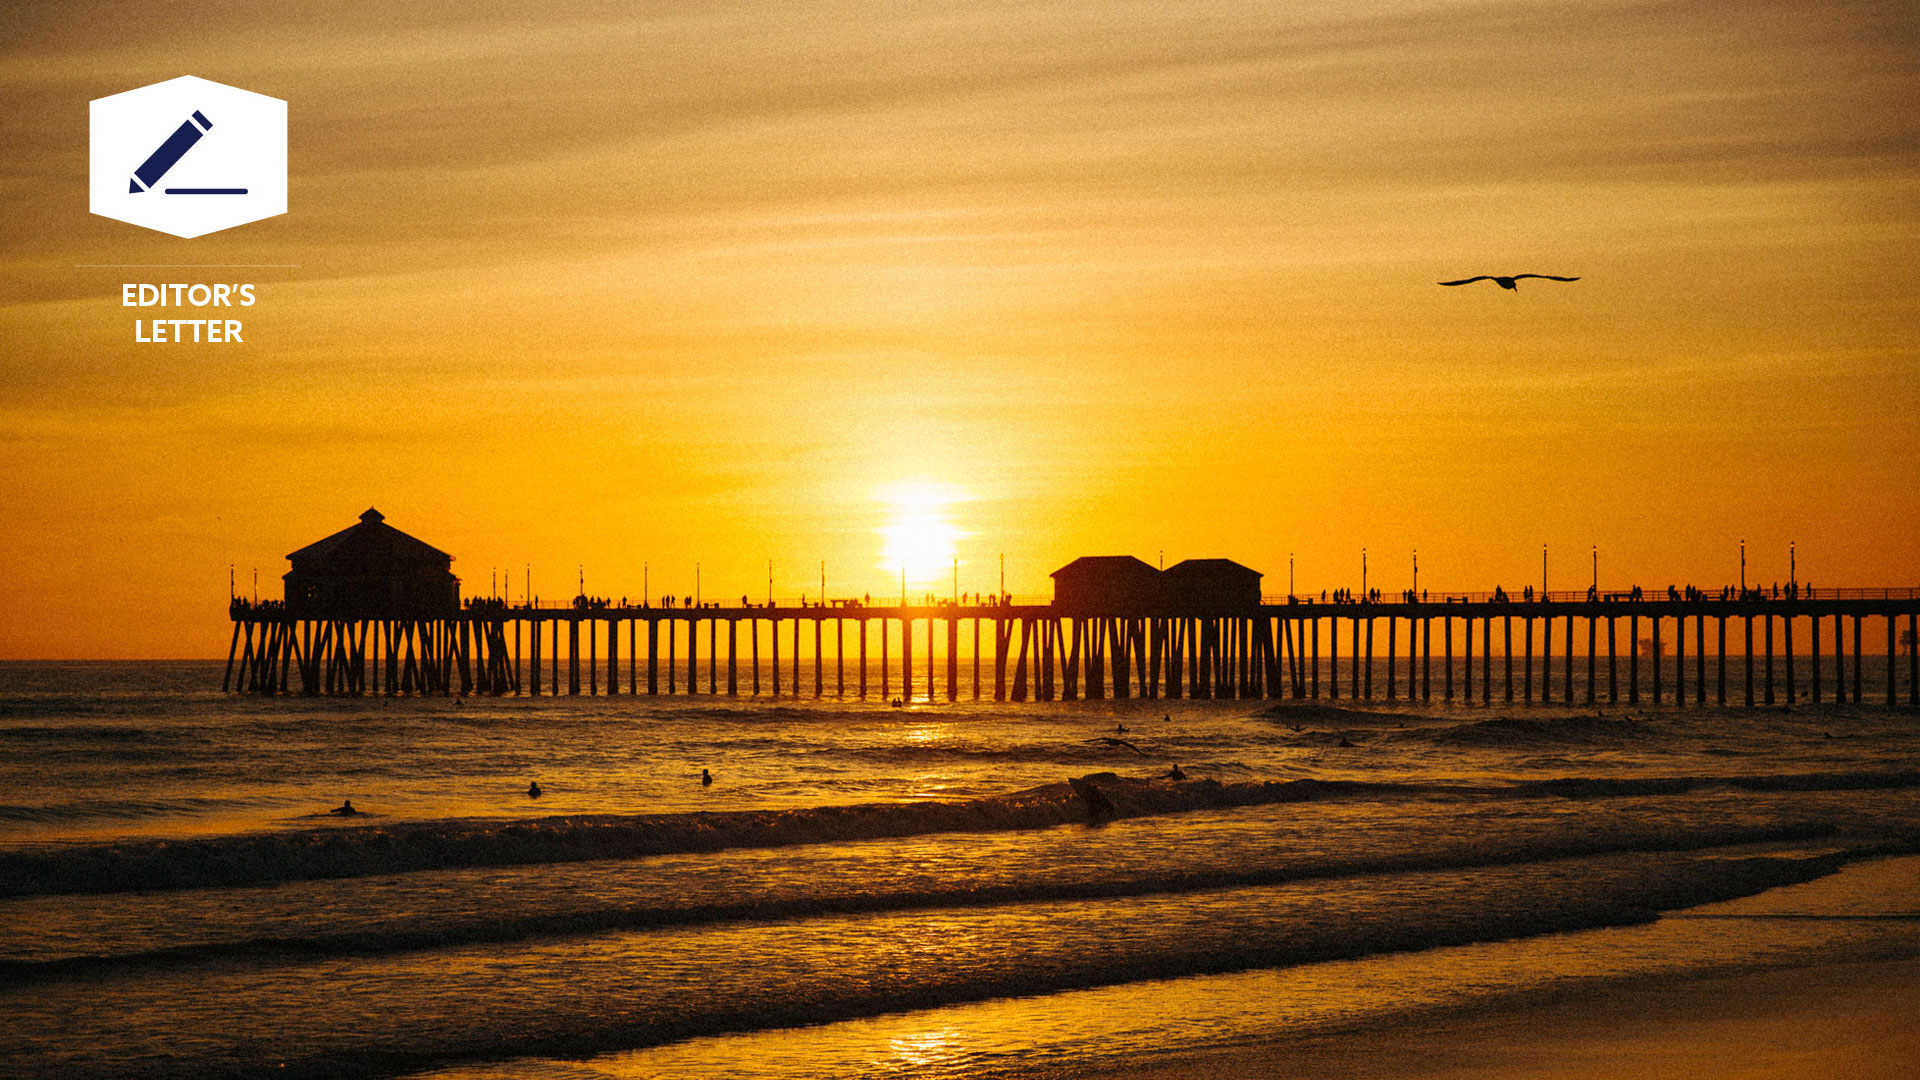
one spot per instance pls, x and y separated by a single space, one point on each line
187 156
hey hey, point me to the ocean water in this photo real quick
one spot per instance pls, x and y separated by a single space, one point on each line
959 890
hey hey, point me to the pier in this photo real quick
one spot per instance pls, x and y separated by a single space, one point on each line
372 610
1558 648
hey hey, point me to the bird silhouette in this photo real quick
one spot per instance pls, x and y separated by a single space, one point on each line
1507 282
1111 741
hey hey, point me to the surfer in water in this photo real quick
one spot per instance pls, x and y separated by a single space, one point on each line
1175 773
345 809
1099 807
533 790
706 778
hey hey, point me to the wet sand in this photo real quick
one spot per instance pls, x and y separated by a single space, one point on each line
1848 1017
1852 1020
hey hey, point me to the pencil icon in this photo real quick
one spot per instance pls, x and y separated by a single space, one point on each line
171 151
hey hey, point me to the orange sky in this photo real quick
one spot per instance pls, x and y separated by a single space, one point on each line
663 284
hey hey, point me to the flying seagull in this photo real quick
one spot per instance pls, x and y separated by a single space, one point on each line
1111 741
1506 282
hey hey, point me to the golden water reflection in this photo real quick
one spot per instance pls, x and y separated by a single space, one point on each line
1108 1026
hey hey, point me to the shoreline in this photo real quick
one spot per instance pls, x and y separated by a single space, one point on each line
1851 1019
1845 1014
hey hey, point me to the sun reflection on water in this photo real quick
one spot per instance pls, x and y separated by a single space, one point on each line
919 1051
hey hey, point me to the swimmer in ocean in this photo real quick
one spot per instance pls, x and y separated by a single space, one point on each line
706 778
533 790
345 809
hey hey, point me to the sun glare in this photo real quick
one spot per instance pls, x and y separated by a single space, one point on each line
920 536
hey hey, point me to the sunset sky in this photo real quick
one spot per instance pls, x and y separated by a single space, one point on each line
613 285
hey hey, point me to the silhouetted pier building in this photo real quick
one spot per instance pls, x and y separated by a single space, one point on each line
1108 585
1211 587
1117 628
371 571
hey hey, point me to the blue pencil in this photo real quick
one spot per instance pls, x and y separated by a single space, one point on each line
177 144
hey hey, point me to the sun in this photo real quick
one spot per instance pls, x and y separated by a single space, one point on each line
919 534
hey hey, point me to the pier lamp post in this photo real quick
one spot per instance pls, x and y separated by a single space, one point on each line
769 582
1363 576
696 585
1793 579
1596 571
1289 575
956 581
1416 574
1743 568
1543 571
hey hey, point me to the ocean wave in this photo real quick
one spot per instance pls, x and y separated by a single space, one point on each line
1504 732
120 808
774 903
577 996
140 734
360 850
1315 713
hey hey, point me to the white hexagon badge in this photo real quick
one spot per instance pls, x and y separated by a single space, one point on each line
187 156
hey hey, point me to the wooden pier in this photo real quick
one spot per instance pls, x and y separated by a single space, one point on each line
1036 652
